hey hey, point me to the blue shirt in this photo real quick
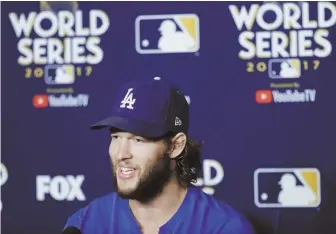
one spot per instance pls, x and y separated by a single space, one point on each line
199 213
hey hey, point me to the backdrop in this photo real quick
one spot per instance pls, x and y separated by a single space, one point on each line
259 78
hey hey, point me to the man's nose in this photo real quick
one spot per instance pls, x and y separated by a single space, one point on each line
124 151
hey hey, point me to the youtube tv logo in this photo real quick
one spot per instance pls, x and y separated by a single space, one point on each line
264 96
40 101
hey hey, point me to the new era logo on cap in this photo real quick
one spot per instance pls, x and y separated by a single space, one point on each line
264 96
178 122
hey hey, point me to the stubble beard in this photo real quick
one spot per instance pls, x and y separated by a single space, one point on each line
151 183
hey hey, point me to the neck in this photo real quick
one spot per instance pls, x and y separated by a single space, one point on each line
158 211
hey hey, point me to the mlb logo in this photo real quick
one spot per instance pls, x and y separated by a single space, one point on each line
284 68
55 6
188 99
287 187
59 74
162 34
3 174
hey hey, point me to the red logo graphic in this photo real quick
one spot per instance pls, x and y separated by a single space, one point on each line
40 101
264 96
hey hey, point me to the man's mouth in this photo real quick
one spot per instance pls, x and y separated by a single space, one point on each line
126 172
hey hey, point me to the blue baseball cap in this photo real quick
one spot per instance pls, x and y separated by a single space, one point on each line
150 108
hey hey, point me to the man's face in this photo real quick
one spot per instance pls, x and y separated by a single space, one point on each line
140 166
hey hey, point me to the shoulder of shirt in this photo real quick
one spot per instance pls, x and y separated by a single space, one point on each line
101 205
222 216
98 203
107 198
104 200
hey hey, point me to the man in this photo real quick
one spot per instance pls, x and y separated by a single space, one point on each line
154 162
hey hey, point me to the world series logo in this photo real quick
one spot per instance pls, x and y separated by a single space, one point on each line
284 41
59 45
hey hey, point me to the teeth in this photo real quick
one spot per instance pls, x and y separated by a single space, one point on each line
126 170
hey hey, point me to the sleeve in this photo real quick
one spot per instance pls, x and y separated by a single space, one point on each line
236 226
76 220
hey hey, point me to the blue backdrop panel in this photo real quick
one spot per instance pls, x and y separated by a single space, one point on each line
259 78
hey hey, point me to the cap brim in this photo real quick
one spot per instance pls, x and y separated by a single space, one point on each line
136 127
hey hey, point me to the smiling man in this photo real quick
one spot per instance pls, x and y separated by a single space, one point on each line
154 162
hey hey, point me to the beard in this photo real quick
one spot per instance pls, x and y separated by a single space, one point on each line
150 184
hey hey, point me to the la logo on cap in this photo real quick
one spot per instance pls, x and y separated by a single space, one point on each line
128 100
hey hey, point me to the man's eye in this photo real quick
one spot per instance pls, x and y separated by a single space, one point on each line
138 140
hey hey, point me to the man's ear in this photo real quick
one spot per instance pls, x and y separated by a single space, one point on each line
178 144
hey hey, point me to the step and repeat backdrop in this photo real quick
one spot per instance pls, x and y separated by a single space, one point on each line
260 79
